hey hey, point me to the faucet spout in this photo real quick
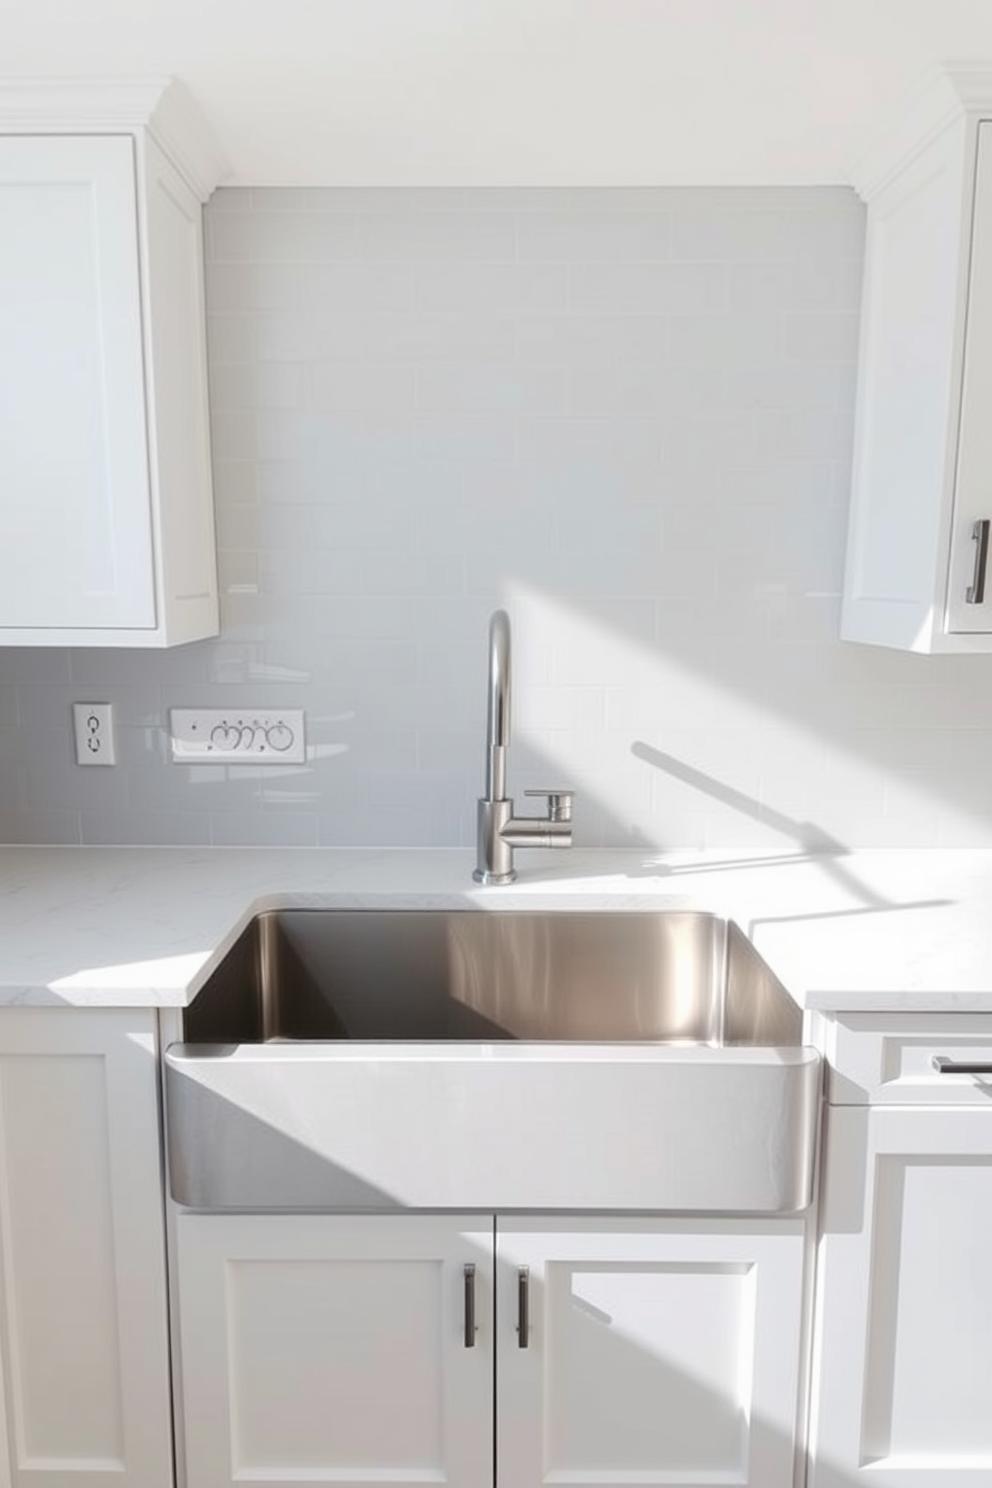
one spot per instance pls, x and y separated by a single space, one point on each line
498 732
498 830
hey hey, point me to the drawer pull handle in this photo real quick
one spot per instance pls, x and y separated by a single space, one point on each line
975 592
944 1066
523 1307
470 1327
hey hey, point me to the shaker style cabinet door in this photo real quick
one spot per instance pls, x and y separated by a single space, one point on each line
969 583
336 1350
919 556
75 501
106 503
648 1353
902 1372
83 1305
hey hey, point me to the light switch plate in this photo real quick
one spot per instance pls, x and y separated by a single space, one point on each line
237 736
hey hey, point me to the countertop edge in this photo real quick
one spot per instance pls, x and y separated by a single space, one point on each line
845 932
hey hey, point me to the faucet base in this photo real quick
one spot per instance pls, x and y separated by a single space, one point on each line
483 876
500 832
494 856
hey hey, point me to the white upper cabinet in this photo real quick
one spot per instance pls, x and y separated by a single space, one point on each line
106 511
921 502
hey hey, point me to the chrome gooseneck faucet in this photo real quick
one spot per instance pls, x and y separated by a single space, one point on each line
499 831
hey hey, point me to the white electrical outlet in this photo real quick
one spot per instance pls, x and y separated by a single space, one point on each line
93 731
237 736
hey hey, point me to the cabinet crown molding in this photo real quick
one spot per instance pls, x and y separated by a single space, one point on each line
163 107
943 96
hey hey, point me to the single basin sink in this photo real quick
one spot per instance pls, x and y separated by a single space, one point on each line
415 974
376 1060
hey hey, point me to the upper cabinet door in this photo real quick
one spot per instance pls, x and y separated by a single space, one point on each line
75 505
919 555
106 501
969 592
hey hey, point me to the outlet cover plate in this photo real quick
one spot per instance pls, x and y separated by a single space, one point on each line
237 736
93 732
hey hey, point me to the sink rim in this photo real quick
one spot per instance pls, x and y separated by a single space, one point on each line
530 1051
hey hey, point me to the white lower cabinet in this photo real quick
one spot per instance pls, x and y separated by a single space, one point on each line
333 1351
83 1307
902 1393
410 1350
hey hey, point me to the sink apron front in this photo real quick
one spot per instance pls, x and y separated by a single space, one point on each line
387 1127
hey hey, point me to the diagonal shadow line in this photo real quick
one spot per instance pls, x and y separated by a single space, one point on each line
808 836
806 833
848 914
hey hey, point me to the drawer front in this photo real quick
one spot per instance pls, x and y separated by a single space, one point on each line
909 1059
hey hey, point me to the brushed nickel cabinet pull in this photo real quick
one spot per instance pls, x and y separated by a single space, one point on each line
944 1066
523 1307
470 1327
975 592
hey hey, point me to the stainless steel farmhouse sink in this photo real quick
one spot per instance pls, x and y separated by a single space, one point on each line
425 1059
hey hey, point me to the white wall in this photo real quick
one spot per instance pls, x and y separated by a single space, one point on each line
443 92
624 415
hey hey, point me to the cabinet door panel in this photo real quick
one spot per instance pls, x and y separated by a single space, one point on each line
75 518
909 342
179 433
903 1378
656 1355
83 1251
973 488
333 1351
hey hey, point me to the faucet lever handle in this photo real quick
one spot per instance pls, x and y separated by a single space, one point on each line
559 800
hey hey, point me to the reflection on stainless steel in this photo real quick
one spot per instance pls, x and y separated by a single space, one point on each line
668 977
498 831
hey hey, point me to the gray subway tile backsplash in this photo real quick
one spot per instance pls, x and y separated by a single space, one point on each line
625 415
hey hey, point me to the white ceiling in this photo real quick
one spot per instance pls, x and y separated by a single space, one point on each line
516 92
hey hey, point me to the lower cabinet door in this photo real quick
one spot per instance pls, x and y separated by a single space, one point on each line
83 1297
648 1353
902 1382
336 1350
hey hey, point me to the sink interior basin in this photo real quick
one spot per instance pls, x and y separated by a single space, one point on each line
397 975
382 1061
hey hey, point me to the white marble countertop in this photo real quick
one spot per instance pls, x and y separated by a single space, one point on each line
125 927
